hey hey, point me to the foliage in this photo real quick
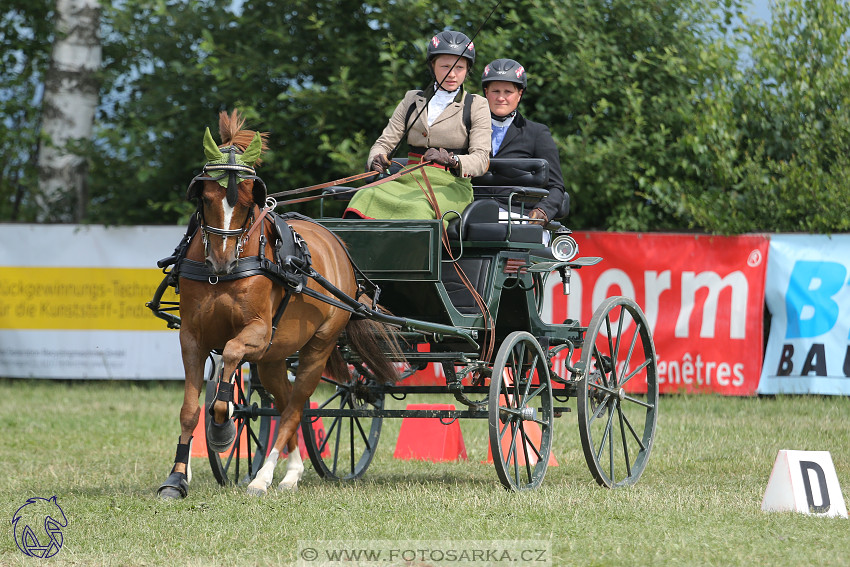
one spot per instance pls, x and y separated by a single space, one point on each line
25 30
778 129
660 123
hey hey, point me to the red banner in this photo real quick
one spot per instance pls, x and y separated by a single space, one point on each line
703 297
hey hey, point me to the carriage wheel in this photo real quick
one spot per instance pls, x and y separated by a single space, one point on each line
343 446
241 462
617 426
521 414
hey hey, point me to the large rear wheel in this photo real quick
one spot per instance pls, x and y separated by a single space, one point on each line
617 393
521 416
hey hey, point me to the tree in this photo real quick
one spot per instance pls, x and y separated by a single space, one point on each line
68 110
774 136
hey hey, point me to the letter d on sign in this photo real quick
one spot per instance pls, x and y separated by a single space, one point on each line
804 481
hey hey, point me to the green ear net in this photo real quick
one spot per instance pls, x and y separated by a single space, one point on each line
211 148
252 152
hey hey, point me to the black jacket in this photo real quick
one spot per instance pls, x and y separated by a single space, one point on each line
527 139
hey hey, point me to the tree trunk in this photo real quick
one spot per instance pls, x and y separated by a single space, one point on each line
68 110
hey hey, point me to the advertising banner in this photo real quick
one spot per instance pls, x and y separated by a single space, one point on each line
703 297
808 297
72 302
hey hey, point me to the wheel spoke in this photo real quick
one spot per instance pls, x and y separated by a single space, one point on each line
634 372
605 434
634 433
639 402
625 444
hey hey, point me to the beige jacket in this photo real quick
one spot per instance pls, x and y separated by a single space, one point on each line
447 131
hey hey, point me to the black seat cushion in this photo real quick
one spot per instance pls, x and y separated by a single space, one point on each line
479 222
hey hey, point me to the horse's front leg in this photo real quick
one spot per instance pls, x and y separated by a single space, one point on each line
248 344
177 483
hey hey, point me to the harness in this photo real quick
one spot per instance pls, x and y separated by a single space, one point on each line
290 267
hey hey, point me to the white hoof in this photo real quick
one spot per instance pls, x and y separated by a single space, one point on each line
258 488
290 480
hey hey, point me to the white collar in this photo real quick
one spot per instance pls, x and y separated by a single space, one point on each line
503 124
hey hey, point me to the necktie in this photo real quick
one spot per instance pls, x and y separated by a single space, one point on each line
497 137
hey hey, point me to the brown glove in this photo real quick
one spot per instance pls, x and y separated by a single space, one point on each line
440 156
380 163
537 216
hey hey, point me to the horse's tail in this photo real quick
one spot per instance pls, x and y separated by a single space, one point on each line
378 346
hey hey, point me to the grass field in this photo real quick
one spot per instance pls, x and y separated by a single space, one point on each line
103 449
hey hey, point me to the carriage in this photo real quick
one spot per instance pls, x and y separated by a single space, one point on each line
467 295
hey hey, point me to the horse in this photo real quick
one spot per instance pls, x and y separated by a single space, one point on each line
238 317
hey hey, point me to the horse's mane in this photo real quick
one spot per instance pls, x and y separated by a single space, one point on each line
231 132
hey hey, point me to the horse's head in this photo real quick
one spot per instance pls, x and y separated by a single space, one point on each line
228 191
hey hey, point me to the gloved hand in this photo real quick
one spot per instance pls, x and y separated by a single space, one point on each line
380 163
537 216
440 156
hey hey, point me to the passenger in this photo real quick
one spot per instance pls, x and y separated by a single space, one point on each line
453 131
504 82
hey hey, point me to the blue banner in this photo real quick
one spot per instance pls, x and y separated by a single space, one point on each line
808 296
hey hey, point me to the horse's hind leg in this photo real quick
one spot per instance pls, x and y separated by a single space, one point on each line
275 379
290 399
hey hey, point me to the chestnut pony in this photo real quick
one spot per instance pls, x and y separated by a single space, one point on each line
235 316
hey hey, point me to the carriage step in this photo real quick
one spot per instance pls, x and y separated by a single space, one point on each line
559 410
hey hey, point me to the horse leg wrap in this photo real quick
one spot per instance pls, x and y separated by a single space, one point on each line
177 483
220 436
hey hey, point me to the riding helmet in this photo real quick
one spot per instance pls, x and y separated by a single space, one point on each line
451 43
504 70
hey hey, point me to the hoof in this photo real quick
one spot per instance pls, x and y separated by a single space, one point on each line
257 490
175 487
220 436
288 486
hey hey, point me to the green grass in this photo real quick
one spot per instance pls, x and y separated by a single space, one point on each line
104 448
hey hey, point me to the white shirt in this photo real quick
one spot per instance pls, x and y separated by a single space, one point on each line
438 103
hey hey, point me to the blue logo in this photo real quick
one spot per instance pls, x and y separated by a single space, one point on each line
37 525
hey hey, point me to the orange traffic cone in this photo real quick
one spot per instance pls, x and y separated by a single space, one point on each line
427 438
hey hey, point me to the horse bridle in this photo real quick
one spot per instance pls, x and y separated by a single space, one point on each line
231 168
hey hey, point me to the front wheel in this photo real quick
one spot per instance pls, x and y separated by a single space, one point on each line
521 417
344 447
617 393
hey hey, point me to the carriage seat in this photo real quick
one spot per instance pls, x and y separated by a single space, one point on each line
514 184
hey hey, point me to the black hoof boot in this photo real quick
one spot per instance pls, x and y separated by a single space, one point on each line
176 486
220 436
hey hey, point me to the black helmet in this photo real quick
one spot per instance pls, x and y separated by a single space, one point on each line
451 43
504 70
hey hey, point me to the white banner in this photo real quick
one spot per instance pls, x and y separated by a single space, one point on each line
72 302
808 295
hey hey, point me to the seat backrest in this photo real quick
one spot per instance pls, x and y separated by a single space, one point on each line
519 172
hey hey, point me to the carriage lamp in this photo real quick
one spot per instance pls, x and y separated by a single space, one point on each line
564 247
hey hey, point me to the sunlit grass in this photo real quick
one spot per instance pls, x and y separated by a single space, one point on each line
104 448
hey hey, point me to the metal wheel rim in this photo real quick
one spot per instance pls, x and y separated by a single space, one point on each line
520 356
353 438
617 428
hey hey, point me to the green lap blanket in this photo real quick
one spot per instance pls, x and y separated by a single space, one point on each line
403 198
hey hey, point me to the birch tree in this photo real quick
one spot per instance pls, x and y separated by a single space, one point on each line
68 110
